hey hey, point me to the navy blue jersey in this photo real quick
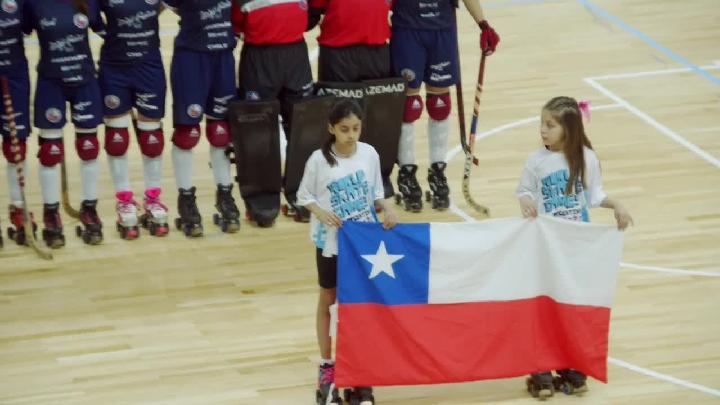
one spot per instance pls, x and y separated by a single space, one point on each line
63 35
132 31
423 14
12 51
205 25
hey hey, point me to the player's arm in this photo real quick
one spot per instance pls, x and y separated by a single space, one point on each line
489 39
172 5
390 216
315 12
622 216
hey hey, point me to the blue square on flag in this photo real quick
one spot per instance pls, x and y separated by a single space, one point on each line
389 267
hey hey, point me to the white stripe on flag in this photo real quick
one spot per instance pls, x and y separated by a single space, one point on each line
511 259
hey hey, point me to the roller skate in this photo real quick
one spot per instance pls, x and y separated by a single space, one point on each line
540 385
228 216
262 208
296 212
1 240
155 217
439 191
190 221
91 229
410 191
326 392
570 382
16 231
359 396
127 221
52 233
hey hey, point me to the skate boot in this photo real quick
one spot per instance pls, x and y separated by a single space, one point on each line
540 385
127 221
570 382
228 216
326 392
262 208
52 234
439 190
359 396
1 240
91 229
155 217
190 221
410 191
296 212
16 231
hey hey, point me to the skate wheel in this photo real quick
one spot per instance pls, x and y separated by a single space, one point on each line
398 199
284 209
216 219
162 230
178 224
78 230
223 226
428 196
11 233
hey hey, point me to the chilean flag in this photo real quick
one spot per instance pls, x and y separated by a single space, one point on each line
452 302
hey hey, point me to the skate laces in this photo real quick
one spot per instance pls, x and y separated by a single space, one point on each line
125 203
327 375
152 201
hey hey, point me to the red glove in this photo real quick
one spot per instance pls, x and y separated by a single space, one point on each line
489 39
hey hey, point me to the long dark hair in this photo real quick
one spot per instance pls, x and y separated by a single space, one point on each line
566 112
342 109
81 6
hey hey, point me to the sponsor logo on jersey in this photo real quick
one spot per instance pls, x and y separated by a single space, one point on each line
345 93
194 111
112 101
408 74
53 115
114 3
252 95
9 6
80 20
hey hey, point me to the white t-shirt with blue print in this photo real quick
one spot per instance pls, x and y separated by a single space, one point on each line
349 189
545 177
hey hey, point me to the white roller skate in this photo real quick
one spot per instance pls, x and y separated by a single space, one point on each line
127 217
155 218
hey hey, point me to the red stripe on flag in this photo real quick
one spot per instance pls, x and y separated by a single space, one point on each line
442 343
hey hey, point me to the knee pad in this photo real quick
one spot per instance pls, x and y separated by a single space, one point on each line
87 146
151 142
413 108
14 153
117 141
51 151
185 137
218 133
438 106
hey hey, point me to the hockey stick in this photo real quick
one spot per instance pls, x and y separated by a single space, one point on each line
470 159
72 212
19 168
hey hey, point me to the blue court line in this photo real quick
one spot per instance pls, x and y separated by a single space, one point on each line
597 10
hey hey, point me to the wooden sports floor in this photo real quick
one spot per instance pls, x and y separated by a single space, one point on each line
229 319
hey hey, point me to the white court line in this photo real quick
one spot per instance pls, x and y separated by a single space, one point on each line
664 377
457 149
678 272
655 124
651 73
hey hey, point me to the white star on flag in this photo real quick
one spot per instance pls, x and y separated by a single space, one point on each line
382 262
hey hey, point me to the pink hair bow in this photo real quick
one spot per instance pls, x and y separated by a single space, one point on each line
584 106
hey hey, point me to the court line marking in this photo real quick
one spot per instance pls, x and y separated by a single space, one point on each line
664 377
678 272
600 12
654 123
651 73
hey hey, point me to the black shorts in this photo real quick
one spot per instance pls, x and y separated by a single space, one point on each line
327 269
354 63
275 71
